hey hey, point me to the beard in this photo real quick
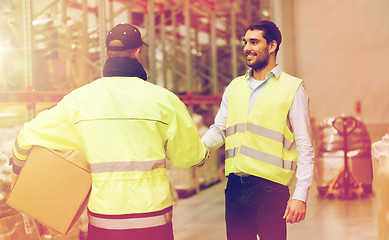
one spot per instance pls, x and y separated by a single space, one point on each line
260 63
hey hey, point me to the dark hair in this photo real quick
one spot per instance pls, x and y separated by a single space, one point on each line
270 31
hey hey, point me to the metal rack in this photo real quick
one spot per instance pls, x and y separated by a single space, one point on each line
194 46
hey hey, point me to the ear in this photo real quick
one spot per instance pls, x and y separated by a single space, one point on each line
272 46
137 54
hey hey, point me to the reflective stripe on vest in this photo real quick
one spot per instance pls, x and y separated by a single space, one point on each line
240 127
127 166
261 156
131 221
261 131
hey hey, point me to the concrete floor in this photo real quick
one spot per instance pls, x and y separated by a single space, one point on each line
202 217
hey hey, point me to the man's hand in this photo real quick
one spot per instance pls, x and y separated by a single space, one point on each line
295 211
205 158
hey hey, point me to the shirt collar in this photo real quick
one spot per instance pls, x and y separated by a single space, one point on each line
276 72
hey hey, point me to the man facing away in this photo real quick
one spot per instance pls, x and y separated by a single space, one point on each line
265 124
127 128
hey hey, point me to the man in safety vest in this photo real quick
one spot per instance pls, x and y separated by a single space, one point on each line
264 122
127 128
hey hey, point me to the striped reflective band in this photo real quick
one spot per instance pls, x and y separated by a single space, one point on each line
127 166
268 133
17 162
230 153
240 127
131 221
263 157
20 153
262 131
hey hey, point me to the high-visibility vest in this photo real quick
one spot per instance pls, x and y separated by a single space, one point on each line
259 142
128 128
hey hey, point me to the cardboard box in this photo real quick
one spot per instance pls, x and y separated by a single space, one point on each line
52 189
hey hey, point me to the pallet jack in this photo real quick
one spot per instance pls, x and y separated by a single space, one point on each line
346 184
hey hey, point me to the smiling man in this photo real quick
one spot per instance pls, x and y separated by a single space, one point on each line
265 124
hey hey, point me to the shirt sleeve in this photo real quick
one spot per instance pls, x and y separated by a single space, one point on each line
300 121
214 138
184 147
50 129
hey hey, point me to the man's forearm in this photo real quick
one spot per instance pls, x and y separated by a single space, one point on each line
213 139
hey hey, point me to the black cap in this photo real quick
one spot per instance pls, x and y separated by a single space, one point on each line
128 34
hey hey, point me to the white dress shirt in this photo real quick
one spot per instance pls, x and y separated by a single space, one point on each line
298 120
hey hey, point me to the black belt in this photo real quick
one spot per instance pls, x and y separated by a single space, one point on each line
243 179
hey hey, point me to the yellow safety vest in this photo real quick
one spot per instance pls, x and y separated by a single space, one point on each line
128 128
259 142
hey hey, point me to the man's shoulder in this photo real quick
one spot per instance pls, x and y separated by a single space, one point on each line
164 95
290 77
239 79
159 89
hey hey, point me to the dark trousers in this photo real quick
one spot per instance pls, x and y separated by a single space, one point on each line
164 232
255 206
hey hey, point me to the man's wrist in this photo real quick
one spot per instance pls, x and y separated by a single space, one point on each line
300 194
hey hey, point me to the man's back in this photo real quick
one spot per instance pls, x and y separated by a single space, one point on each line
124 123
118 113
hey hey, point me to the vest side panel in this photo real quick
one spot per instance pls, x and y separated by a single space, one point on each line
238 95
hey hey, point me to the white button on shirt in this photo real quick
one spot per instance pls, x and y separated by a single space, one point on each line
298 120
